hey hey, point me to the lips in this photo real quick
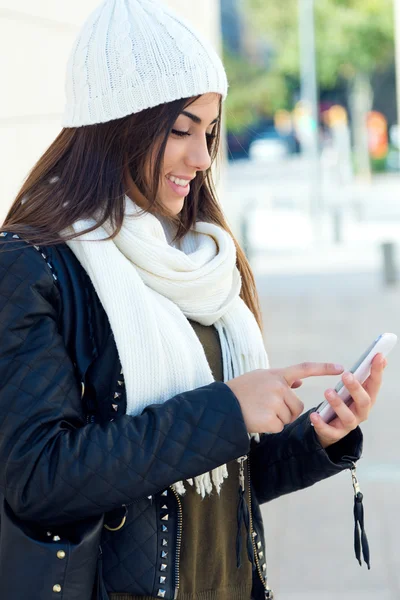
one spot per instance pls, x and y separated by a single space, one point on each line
178 189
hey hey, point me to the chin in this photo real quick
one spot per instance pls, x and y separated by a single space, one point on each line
174 207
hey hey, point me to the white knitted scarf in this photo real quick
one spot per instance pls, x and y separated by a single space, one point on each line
149 289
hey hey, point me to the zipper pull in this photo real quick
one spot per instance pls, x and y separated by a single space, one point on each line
356 485
241 462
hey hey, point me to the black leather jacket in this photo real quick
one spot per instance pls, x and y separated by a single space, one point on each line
69 452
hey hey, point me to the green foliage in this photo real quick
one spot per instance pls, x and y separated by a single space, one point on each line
351 36
250 92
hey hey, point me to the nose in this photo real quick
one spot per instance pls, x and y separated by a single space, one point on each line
198 155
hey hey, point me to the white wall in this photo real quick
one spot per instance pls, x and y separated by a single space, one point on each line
35 40
205 15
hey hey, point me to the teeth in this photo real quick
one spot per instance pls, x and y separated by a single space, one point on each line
181 182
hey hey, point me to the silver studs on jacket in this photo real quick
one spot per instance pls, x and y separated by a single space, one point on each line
118 393
164 544
269 594
4 234
38 249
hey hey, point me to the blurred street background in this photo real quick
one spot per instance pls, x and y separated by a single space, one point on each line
325 315
312 189
310 183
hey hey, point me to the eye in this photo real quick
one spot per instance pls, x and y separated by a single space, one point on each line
180 133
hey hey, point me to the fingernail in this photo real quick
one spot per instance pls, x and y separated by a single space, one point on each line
339 368
349 377
330 393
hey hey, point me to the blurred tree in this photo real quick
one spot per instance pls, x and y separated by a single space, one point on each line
354 39
351 35
250 94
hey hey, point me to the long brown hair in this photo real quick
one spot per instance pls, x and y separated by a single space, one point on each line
82 174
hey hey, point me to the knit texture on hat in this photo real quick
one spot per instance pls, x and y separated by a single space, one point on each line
135 54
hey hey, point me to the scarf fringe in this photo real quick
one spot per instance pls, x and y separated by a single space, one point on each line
204 483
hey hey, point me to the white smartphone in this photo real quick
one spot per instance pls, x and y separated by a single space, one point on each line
361 371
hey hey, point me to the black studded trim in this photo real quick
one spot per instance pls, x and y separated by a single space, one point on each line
262 562
15 236
117 398
38 248
164 541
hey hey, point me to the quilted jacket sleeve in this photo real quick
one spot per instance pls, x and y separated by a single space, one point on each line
294 459
54 468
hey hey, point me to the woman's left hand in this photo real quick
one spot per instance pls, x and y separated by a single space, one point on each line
349 417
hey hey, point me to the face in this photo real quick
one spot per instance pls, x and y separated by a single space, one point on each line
187 151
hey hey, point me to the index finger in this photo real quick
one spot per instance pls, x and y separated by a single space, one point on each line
310 369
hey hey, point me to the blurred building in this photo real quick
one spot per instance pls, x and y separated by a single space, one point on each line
232 26
35 41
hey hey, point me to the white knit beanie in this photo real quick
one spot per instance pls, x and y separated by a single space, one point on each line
135 54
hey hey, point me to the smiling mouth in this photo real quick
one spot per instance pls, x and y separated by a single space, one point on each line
179 182
179 190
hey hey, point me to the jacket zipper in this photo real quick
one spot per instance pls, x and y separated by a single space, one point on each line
252 532
178 542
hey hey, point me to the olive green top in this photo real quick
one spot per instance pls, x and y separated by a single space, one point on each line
208 553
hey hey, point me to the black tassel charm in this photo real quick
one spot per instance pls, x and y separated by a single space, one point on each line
360 537
243 516
239 529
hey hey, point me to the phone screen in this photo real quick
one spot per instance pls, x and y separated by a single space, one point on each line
358 363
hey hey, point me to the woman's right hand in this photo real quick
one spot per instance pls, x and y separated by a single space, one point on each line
266 396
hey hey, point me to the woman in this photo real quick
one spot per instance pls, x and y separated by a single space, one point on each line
138 410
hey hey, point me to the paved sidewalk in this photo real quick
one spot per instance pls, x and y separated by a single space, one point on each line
310 534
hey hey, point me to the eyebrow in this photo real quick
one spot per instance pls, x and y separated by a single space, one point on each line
197 119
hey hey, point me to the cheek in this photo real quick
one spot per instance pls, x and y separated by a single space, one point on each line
174 151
